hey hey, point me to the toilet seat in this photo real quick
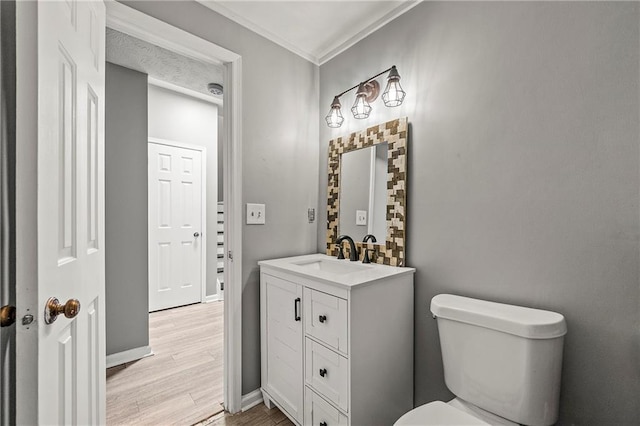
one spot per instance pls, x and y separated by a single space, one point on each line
438 413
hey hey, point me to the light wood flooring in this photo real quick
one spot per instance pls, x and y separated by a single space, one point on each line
182 382
258 415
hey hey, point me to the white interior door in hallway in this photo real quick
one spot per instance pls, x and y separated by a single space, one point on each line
60 213
176 224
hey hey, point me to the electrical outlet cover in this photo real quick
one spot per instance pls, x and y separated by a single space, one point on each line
255 214
361 217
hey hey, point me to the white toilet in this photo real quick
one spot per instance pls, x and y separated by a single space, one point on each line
502 362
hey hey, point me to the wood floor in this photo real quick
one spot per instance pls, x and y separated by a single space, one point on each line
258 415
181 383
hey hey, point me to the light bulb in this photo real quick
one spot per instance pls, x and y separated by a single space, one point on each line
361 107
393 95
334 118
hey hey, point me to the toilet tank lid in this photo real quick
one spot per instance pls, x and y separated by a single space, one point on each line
526 322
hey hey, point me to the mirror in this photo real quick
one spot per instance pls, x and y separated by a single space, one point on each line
367 184
363 193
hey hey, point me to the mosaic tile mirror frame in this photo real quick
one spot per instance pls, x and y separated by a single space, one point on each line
395 132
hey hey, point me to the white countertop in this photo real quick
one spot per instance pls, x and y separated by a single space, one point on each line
342 273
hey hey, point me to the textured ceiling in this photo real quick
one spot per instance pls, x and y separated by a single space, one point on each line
160 63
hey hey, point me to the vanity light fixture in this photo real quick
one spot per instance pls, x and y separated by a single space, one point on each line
367 92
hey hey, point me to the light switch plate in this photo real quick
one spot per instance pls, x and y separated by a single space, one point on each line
361 217
255 214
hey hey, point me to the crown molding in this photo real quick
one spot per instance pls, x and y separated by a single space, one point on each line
338 47
238 19
318 58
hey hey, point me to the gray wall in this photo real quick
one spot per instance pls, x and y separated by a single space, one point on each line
126 228
181 118
280 151
523 176
354 191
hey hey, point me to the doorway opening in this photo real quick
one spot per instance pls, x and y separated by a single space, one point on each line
183 379
218 323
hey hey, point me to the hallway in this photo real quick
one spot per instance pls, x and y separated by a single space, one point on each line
182 382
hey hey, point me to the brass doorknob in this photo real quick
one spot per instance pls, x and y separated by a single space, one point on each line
7 315
53 308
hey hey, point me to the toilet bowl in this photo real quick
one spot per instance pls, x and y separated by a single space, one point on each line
438 413
452 413
502 362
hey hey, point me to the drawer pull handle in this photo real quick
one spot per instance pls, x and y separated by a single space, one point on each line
322 318
323 372
296 308
323 423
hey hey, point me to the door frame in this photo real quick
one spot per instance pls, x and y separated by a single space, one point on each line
26 206
203 208
137 24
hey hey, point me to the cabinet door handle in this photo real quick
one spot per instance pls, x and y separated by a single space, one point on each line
323 372
323 423
296 308
322 318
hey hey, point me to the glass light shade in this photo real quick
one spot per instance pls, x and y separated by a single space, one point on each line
361 108
393 95
334 118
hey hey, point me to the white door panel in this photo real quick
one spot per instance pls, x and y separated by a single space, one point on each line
70 385
175 226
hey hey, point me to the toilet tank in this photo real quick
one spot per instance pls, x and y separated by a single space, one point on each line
502 358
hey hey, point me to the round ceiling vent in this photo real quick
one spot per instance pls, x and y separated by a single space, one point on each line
215 88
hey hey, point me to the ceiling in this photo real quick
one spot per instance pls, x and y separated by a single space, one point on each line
161 64
314 30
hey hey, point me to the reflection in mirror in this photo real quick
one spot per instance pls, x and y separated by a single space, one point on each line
363 193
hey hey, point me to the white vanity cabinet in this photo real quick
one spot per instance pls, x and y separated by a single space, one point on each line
337 347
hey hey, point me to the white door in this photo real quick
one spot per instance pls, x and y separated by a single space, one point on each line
175 226
61 361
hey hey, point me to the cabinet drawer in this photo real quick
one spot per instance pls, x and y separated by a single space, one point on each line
326 318
327 372
318 412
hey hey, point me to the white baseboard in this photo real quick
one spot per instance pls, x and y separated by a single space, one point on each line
251 399
128 356
211 298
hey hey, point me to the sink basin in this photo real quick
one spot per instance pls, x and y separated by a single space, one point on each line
333 266
329 270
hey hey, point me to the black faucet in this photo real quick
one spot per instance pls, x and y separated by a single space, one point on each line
369 237
353 252
365 258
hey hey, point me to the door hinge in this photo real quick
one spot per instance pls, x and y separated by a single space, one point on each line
230 255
